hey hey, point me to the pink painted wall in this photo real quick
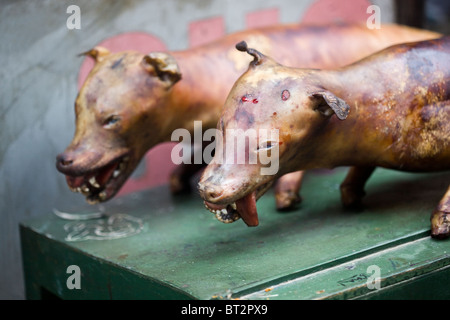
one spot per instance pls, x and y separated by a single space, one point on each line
337 11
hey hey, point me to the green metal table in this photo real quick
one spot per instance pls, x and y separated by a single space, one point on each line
152 245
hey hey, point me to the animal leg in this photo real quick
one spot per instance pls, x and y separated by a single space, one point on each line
352 189
287 190
440 218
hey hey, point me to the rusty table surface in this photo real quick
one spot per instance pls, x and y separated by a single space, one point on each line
152 245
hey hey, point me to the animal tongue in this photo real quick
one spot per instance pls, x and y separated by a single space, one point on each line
104 175
75 182
246 207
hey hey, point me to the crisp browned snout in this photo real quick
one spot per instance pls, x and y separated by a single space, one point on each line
116 120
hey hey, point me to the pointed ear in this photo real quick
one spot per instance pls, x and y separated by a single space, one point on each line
97 53
164 65
328 104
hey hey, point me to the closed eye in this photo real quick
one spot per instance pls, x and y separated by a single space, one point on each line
111 120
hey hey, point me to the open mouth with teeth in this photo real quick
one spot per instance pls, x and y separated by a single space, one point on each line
102 183
244 208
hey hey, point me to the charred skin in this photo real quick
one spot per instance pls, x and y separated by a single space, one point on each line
130 102
391 110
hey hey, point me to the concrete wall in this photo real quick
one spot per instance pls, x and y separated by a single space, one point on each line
38 85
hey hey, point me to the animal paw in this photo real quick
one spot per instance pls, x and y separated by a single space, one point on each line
351 196
440 224
287 200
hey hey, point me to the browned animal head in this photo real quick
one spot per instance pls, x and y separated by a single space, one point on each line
119 116
267 97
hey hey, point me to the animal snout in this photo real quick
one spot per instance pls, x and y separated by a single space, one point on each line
64 162
209 192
